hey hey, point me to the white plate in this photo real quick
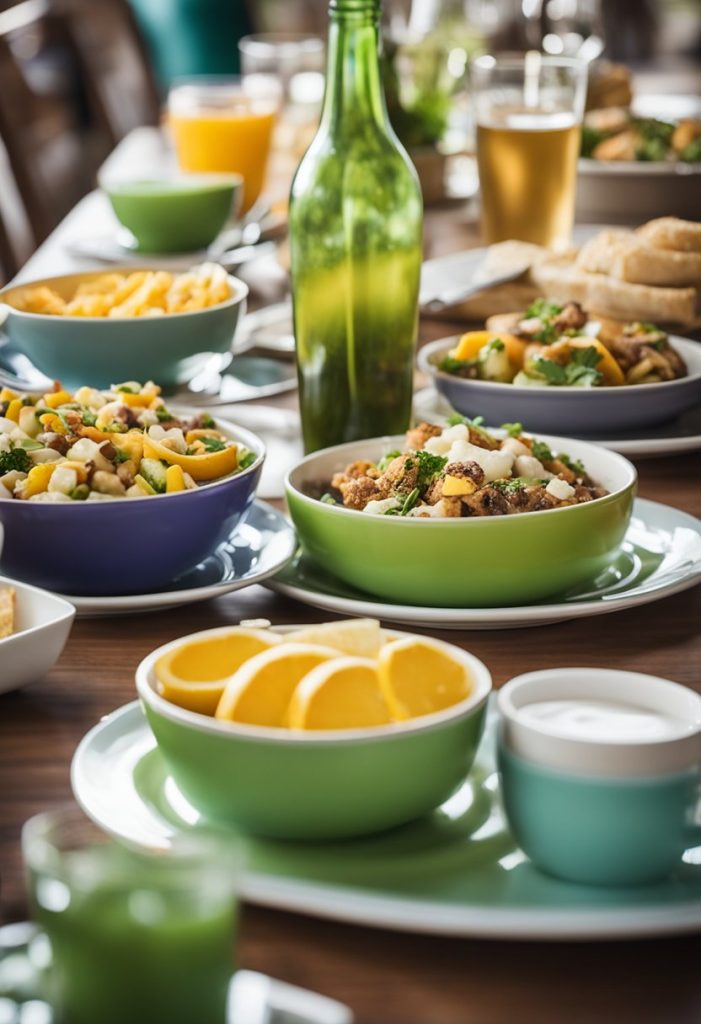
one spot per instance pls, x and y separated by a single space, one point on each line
674 438
661 556
257 549
455 872
43 622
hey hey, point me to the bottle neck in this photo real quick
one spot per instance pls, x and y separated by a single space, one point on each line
353 82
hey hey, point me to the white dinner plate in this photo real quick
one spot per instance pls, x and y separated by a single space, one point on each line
257 549
661 556
454 872
674 438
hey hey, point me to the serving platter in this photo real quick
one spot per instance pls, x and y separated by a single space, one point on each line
673 438
455 872
257 549
661 556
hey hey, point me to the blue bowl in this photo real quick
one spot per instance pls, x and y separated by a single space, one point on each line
101 351
125 546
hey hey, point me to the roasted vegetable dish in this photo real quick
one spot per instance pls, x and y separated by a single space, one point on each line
461 471
554 345
95 445
614 133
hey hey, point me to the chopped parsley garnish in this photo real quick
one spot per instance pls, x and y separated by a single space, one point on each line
15 458
455 418
89 417
410 500
644 327
655 138
542 452
213 444
692 153
543 310
580 371
495 345
163 414
206 420
128 388
328 499
248 459
517 483
574 464
429 467
450 365
121 456
512 429
387 458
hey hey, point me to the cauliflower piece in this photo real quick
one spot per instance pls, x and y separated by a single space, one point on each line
559 489
63 480
84 450
512 444
496 464
379 507
528 465
437 445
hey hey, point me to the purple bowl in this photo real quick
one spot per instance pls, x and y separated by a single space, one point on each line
130 546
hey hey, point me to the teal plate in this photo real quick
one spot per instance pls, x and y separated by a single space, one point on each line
660 556
457 872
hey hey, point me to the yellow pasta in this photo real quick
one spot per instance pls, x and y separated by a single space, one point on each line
141 293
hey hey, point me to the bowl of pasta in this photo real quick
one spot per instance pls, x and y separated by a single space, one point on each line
142 323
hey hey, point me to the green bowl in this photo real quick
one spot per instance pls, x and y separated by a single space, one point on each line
101 351
318 785
499 561
175 215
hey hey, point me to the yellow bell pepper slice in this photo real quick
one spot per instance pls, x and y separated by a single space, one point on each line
454 486
607 366
52 423
131 443
175 479
55 398
210 466
13 409
6 395
38 479
473 342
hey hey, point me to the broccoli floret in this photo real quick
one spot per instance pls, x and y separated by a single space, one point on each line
17 459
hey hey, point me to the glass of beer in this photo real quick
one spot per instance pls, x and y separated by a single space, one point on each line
528 114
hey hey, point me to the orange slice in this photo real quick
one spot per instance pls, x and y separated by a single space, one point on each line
259 693
195 674
471 343
200 467
361 638
419 676
340 694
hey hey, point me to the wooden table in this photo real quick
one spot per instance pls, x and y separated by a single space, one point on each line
386 977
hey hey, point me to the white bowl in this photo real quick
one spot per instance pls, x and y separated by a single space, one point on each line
42 625
547 745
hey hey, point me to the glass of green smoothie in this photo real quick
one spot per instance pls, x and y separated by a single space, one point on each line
134 937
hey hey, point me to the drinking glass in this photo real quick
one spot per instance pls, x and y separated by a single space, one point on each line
528 114
133 937
225 125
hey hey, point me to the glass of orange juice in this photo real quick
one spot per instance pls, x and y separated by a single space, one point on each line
225 125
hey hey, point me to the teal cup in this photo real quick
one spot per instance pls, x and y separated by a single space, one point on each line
599 831
601 773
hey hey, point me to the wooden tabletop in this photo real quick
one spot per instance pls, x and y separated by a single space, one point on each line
386 977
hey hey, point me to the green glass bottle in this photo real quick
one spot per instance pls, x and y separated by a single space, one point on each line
355 236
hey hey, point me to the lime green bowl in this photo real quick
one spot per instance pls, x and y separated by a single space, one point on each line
101 351
291 784
179 214
498 561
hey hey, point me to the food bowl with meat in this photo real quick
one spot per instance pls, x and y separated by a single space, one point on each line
112 492
555 367
460 516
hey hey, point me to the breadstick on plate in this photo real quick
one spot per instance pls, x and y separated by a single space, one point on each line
672 233
7 611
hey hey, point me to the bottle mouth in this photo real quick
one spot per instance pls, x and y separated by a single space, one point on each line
355 7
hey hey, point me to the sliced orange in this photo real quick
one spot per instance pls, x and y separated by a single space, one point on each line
419 676
341 694
561 351
361 638
259 693
200 467
195 674
470 345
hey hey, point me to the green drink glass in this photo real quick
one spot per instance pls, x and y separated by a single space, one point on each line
355 238
134 938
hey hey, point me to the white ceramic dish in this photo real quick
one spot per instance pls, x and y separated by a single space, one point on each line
541 743
577 412
673 438
455 872
660 556
42 626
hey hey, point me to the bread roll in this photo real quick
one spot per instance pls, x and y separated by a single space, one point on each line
672 233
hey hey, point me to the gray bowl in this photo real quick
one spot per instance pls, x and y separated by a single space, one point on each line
573 411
